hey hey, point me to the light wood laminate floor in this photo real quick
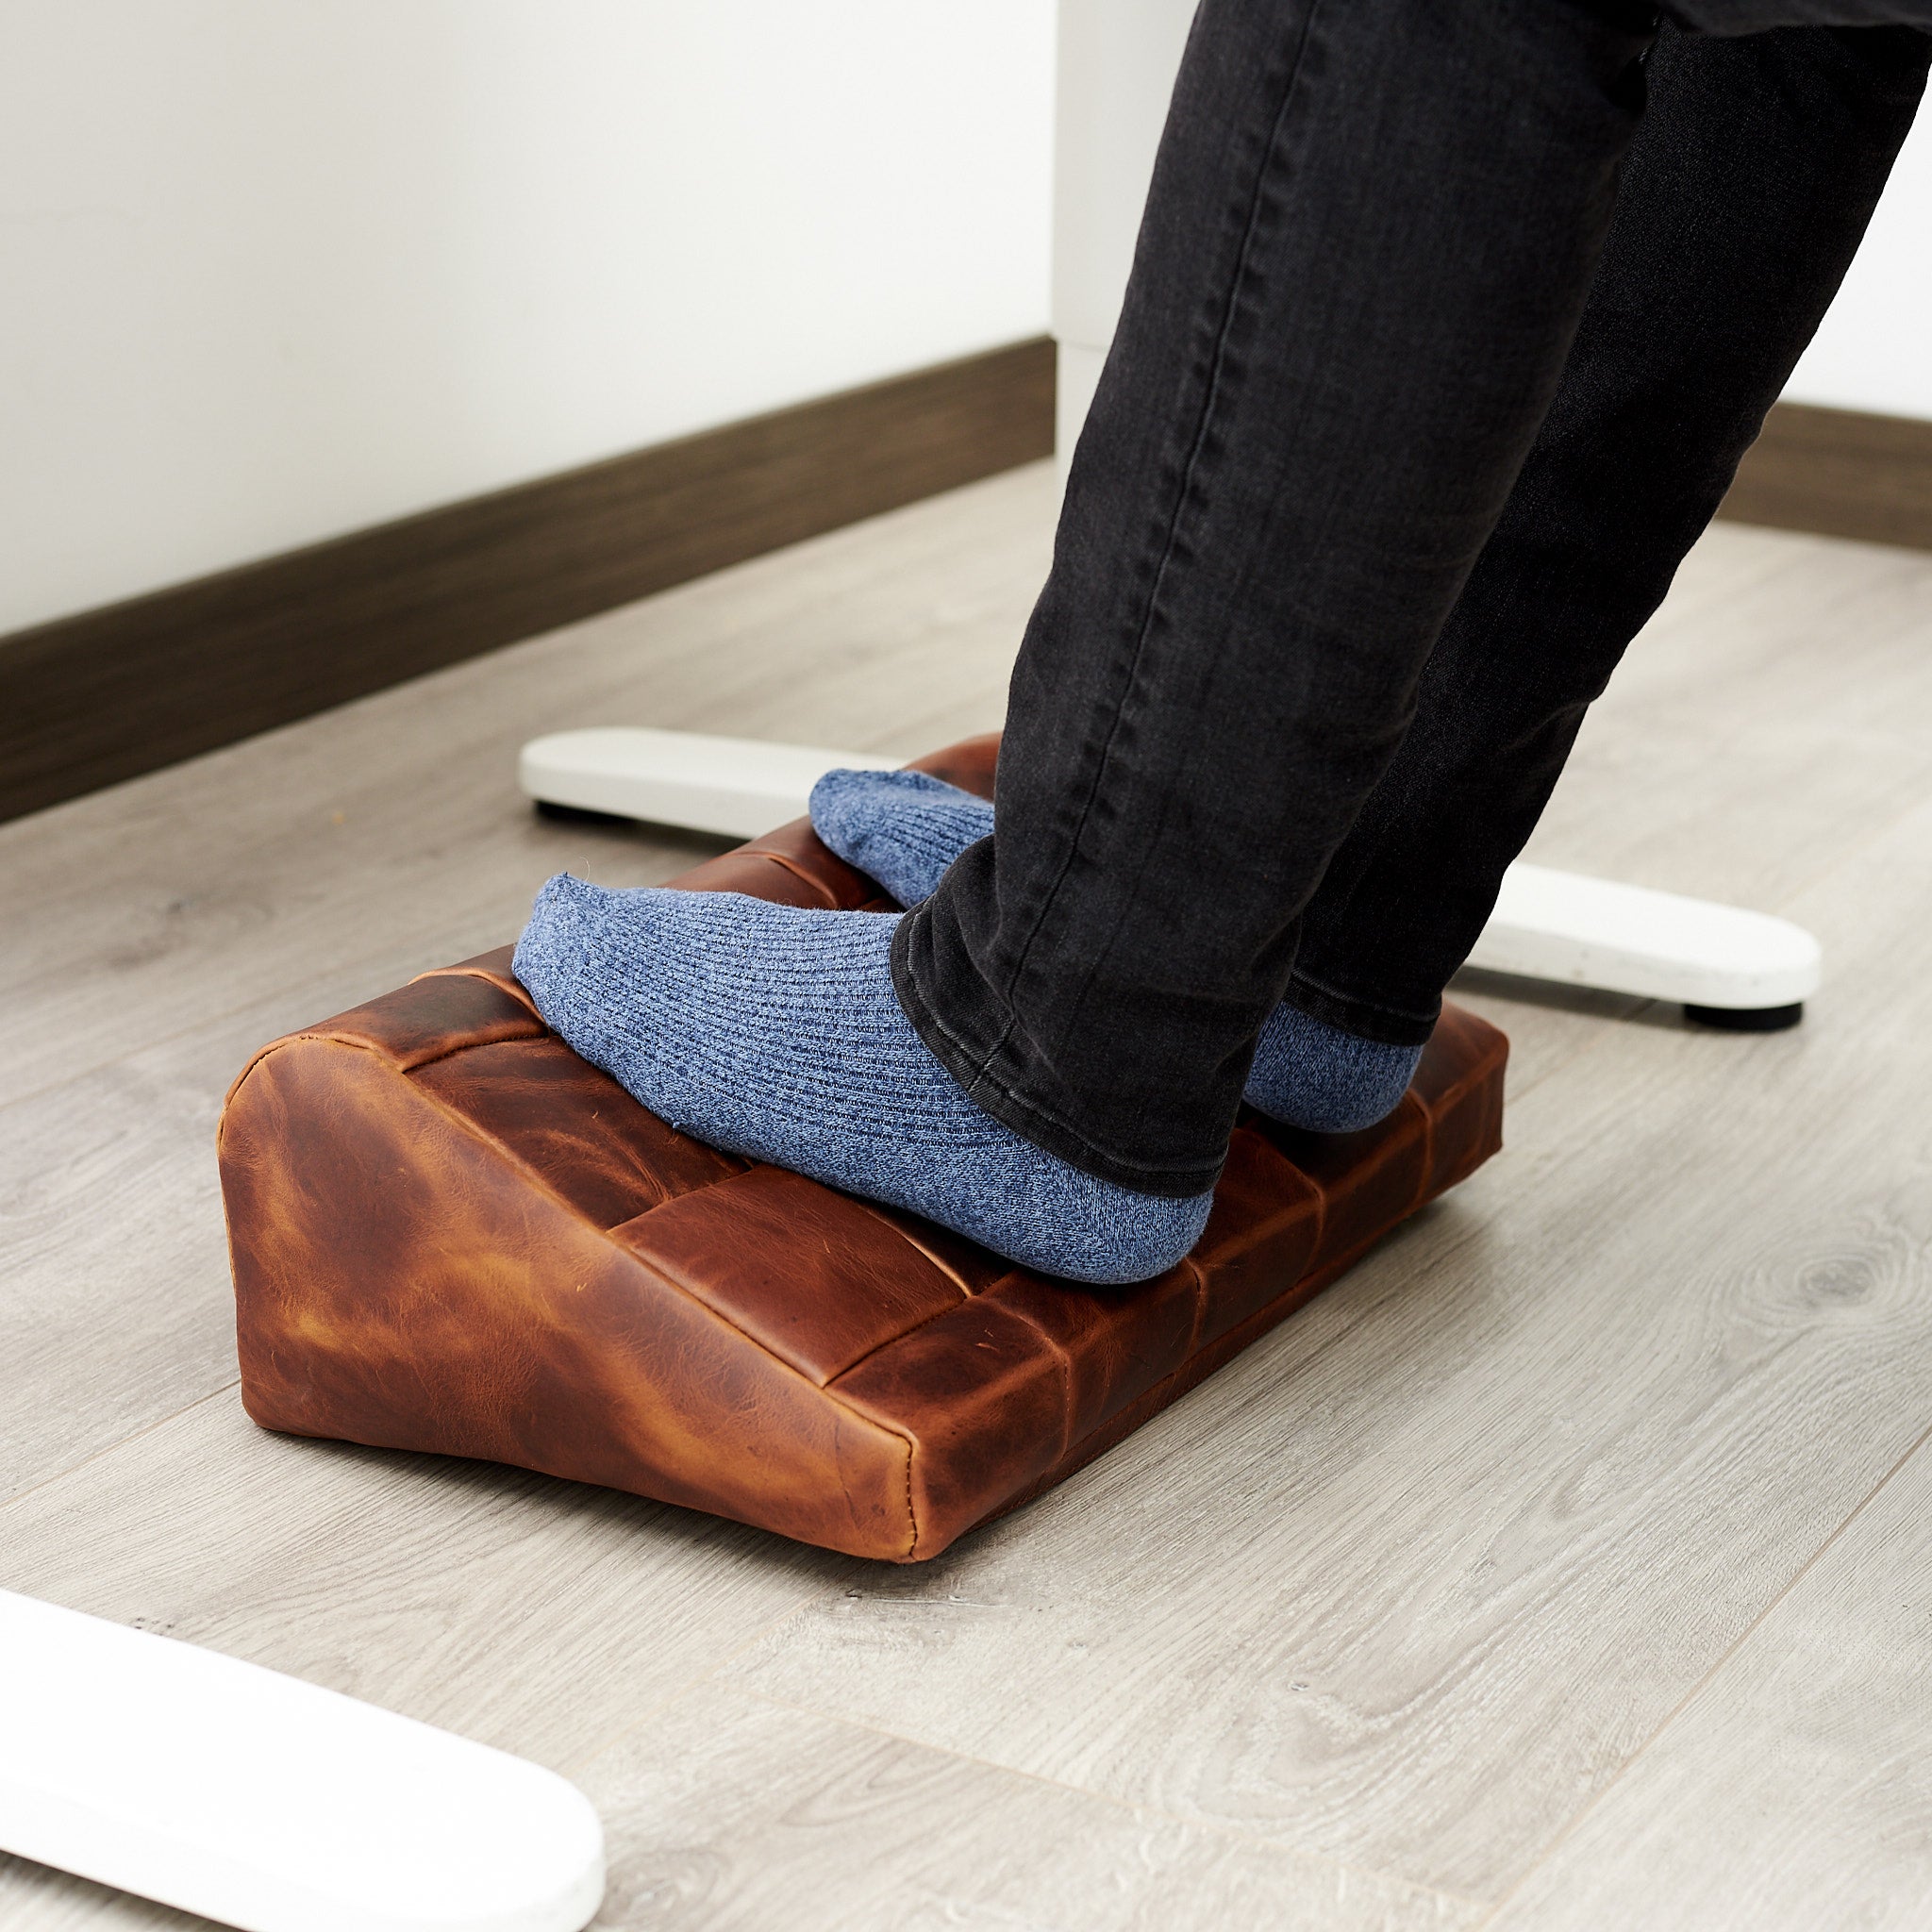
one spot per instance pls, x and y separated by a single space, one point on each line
1568 1565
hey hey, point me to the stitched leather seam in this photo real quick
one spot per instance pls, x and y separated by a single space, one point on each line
912 1514
255 1060
859 1361
1195 1269
918 1247
449 1053
381 1053
1429 1161
798 871
1065 1357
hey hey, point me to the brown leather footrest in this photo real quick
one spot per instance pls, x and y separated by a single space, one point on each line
449 1233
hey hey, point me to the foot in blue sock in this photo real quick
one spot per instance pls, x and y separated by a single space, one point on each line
904 828
773 1031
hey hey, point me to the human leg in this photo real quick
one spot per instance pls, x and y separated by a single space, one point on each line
1357 286
906 829
1744 195
1371 232
1742 200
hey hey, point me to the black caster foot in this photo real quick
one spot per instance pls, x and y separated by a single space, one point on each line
577 815
1745 1019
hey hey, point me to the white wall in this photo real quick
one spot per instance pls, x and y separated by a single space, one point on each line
278 268
1874 351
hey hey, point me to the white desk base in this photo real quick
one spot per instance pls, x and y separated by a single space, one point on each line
1730 967
267 1803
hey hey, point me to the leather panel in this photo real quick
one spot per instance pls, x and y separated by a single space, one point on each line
575 1126
1263 1235
1369 1181
493 966
981 1396
397 1285
807 1273
1113 1342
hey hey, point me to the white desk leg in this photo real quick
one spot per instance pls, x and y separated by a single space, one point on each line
260 1801
1731 968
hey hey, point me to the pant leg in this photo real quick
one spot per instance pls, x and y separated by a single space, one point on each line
1371 232
1743 198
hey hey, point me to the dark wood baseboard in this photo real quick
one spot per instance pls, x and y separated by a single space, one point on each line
92 699
1839 473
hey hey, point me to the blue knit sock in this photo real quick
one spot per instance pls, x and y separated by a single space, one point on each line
773 1031
1311 1074
904 828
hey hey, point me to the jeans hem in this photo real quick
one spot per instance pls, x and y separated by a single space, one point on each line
1390 1025
971 1067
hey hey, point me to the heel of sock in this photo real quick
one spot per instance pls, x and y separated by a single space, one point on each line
1308 1073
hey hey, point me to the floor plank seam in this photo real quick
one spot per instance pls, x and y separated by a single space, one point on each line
1571 1824
1607 1028
584 1758
119 1442
1134 1806
178 1034
1851 852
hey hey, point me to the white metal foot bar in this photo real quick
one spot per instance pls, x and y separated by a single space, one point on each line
1729 965
263 1801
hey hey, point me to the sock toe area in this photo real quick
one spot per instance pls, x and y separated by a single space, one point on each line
903 829
555 956
844 790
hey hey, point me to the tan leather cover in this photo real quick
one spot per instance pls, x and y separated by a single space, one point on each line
449 1233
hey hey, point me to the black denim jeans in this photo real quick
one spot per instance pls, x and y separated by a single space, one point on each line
1418 398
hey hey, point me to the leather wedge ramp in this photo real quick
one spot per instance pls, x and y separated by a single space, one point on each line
450 1233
